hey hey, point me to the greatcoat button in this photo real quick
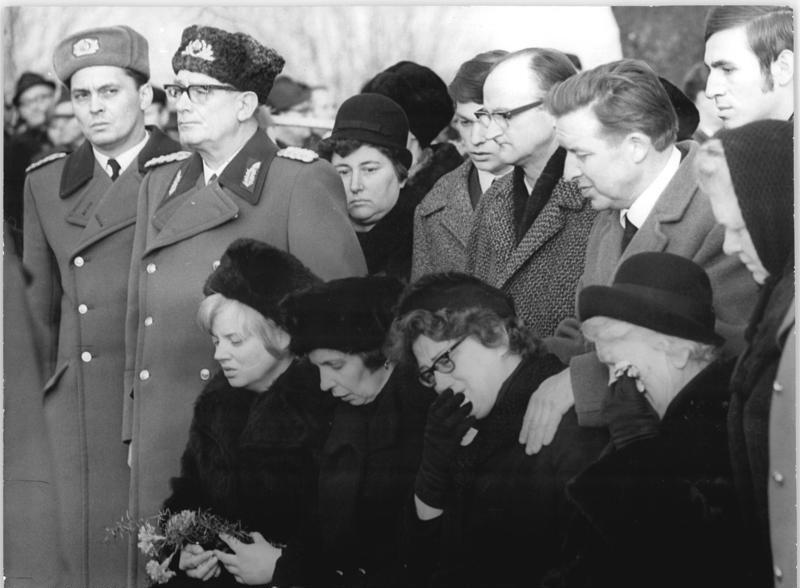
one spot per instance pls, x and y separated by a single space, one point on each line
778 477
144 375
777 386
148 321
79 261
83 309
215 265
205 374
151 268
86 357
778 574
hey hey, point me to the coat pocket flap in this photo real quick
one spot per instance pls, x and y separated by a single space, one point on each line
54 379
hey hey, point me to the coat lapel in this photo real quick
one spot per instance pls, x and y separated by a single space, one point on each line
549 223
116 208
500 224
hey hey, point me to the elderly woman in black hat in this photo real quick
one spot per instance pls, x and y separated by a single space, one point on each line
368 149
658 507
256 426
483 513
372 454
747 172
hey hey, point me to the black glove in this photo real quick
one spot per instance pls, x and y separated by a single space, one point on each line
629 415
447 423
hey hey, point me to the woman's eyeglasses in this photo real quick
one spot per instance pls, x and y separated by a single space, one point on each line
442 363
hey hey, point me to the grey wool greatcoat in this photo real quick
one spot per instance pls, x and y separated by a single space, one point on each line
681 223
542 271
78 233
442 223
183 229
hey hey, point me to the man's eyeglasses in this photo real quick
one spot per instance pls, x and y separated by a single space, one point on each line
198 93
502 117
442 363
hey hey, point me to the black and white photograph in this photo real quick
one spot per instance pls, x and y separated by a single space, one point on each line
399 296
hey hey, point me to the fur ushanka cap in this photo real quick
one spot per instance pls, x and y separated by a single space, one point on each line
232 58
260 276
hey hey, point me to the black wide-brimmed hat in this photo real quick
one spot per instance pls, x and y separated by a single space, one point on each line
376 120
663 292
351 315
259 275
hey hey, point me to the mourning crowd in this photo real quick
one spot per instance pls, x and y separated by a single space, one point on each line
534 327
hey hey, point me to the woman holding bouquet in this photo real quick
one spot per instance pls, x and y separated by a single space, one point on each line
256 427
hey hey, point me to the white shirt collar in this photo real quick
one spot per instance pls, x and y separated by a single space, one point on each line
486 178
208 172
124 159
644 204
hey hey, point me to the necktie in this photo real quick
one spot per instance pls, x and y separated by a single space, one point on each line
628 232
115 167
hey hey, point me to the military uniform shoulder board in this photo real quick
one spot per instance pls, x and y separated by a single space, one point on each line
168 158
45 160
298 154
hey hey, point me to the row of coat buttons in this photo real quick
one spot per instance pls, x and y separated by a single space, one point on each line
777 477
205 374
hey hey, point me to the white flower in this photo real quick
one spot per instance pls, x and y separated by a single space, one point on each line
158 572
147 539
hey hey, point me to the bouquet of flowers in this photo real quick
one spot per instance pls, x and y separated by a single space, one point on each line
165 534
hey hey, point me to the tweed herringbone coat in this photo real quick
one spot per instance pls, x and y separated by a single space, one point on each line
542 271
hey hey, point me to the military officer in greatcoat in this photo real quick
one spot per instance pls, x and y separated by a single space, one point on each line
237 183
80 211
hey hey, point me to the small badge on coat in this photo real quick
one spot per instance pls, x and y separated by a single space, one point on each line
86 46
200 49
298 154
250 175
175 182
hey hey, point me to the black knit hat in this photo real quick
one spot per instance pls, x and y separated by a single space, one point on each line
420 93
663 292
351 315
259 275
454 291
375 119
232 58
27 81
760 157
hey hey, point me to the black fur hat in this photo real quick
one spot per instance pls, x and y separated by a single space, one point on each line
420 93
232 58
351 315
259 275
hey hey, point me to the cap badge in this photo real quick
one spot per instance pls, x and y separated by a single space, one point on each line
87 46
250 175
200 49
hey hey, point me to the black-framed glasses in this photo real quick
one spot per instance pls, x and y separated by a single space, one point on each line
198 93
442 363
502 117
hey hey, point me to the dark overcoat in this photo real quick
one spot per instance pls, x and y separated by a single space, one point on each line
79 228
367 472
252 457
661 512
183 228
506 512
541 272
748 420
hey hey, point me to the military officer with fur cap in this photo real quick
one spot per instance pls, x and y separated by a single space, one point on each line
236 184
80 211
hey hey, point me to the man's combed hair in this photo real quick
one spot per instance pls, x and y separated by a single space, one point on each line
626 96
769 30
467 85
